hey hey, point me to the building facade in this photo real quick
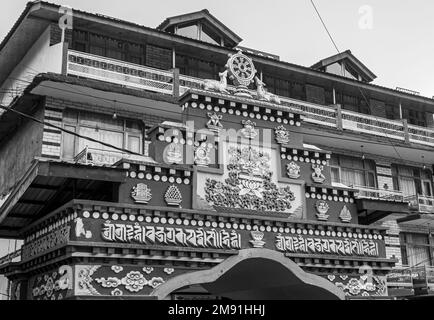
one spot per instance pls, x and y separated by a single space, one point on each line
173 163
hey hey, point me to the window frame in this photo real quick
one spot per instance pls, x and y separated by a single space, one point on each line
126 132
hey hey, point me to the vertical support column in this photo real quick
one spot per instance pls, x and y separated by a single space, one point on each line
393 246
406 135
175 82
173 58
65 58
339 117
400 110
334 96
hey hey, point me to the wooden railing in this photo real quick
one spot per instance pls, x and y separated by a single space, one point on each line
377 194
168 82
12 257
99 157
119 72
421 203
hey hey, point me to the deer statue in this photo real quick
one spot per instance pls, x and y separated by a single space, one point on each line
219 86
263 94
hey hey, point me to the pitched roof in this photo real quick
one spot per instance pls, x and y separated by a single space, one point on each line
355 63
201 15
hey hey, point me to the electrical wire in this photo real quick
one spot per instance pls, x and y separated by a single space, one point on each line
69 132
358 87
234 122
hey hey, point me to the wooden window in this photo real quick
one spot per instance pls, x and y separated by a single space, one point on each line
353 171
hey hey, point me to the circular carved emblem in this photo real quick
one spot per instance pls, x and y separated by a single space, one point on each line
241 68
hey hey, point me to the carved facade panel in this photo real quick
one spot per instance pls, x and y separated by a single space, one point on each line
249 183
53 285
362 285
121 280
52 240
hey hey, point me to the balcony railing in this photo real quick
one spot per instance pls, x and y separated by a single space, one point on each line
403 276
421 203
12 257
99 157
377 194
119 72
163 81
367 124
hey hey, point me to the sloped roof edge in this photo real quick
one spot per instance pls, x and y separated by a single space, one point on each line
368 74
199 15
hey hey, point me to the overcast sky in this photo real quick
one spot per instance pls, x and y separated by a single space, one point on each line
392 38
395 39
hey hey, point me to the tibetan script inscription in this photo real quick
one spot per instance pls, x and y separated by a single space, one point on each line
198 238
298 244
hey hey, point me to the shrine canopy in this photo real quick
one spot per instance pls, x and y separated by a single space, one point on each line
203 26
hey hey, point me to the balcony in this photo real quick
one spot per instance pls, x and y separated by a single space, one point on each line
12 257
377 194
374 204
421 203
169 82
403 277
100 157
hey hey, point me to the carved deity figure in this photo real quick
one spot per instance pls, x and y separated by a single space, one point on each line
263 94
219 86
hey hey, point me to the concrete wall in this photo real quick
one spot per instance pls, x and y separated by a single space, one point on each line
41 58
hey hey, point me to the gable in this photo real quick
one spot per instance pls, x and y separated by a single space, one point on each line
201 25
347 65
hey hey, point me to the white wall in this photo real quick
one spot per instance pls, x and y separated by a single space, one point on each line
40 58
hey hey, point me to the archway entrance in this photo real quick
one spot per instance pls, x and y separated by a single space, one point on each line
254 274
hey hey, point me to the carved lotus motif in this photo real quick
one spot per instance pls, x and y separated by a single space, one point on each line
251 186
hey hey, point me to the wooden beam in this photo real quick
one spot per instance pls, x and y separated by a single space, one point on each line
19 216
43 187
63 170
32 202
